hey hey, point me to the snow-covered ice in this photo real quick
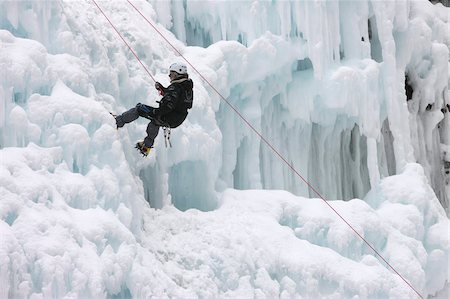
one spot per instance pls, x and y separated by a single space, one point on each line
82 215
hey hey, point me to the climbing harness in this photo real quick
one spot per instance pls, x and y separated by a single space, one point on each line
167 136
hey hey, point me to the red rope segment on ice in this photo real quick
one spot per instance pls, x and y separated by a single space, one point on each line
260 136
120 35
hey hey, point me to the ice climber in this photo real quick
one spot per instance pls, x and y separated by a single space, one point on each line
172 111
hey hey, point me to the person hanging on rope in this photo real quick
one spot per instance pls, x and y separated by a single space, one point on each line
172 111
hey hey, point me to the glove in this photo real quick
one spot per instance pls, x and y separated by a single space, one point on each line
160 88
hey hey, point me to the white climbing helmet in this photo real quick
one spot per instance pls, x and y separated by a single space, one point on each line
178 67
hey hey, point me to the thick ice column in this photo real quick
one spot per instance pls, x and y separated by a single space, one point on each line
372 162
5 93
392 82
321 30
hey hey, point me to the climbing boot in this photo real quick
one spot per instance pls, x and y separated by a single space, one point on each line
143 149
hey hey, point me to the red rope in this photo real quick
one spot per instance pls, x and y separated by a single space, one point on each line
132 51
261 137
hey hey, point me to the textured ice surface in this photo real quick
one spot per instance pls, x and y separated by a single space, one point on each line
323 81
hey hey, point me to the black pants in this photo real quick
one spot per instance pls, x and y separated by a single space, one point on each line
133 114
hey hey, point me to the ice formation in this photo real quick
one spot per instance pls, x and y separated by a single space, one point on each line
354 94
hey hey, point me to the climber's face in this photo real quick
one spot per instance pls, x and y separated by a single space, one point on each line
173 75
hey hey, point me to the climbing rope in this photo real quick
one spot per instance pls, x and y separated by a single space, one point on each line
120 35
275 151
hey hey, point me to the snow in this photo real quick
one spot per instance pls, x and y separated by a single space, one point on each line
82 215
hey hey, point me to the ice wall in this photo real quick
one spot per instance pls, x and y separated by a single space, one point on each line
82 53
339 87
72 191
348 75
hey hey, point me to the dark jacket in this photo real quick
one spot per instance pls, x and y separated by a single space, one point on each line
177 99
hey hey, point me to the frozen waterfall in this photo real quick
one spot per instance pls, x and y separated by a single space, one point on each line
353 94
